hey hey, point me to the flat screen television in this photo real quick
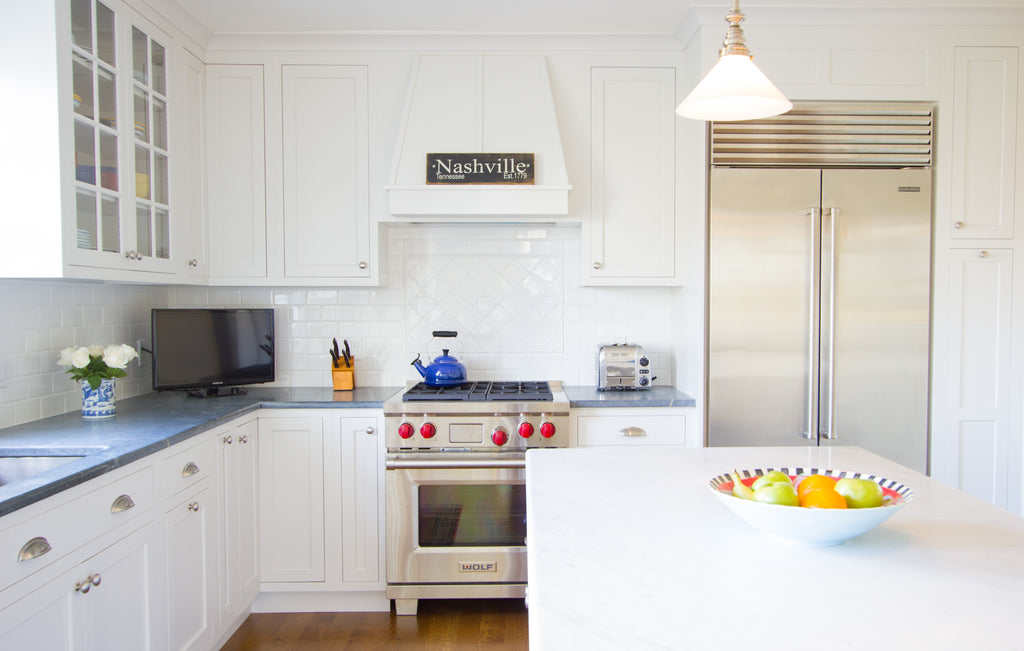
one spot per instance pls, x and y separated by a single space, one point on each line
201 350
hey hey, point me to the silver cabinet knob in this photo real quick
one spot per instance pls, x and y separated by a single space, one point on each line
242 438
34 549
959 225
370 430
194 507
189 469
193 263
227 439
597 265
982 255
363 265
93 580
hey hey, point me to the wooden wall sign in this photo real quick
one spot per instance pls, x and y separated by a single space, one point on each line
490 169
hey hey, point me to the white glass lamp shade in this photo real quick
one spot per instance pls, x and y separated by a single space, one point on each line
735 89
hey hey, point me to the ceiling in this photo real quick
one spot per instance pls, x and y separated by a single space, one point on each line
582 17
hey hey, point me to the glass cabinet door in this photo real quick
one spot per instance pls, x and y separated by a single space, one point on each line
149 90
94 89
120 137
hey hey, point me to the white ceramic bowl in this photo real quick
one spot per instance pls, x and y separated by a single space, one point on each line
817 527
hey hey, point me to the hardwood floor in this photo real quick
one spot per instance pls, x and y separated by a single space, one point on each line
441 624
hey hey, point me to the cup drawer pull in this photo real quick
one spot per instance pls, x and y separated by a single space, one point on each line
189 469
34 549
122 503
632 431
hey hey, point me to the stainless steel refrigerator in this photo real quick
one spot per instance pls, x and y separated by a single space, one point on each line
819 304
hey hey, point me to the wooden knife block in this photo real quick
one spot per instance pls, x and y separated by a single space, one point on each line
344 377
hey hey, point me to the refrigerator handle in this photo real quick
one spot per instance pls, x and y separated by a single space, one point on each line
827 418
811 433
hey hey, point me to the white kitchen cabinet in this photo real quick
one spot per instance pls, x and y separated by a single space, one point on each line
635 426
191 532
190 238
91 197
977 392
325 173
236 174
321 511
105 602
238 458
291 469
630 236
287 175
984 169
362 480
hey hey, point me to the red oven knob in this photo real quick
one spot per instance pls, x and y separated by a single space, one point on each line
405 430
427 430
499 436
525 430
547 430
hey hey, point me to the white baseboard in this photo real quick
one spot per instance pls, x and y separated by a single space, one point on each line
321 602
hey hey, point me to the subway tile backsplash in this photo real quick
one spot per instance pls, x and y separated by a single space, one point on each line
511 292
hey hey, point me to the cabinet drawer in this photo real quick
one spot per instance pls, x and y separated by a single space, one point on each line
70 525
632 430
188 467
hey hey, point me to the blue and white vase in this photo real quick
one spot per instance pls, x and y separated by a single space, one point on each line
98 402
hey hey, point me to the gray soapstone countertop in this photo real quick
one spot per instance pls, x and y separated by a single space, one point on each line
144 425
588 396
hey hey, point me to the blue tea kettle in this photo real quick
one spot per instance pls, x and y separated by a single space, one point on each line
445 370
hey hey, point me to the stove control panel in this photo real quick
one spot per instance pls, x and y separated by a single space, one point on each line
505 431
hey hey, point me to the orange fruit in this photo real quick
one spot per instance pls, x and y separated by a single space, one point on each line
814 482
823 498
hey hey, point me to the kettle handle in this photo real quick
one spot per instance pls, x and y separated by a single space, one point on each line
444 333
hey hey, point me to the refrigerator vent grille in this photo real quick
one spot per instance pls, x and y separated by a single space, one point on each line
829 134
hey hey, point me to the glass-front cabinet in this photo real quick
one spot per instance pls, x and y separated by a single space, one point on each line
123 215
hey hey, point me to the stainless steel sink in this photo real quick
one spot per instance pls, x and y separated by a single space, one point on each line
13 469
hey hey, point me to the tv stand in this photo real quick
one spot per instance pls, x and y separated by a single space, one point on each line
217 392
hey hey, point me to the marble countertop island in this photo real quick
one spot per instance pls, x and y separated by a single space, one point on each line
629 549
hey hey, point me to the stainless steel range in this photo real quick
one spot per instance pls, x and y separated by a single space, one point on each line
456 486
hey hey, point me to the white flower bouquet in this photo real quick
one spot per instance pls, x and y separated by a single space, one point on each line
96 363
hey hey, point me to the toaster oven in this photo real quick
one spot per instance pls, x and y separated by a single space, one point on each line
623 367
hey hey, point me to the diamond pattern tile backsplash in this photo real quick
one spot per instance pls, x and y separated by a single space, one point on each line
496 303
511 292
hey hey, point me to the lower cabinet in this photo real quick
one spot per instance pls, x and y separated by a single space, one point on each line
191 557
321 507
291 460
238 457
632 426
103 603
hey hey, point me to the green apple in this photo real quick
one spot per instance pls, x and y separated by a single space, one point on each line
860 493
778 493
772 477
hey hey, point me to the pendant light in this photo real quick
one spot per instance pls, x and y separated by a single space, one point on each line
735 89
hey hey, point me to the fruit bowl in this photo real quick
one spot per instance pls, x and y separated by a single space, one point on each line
815 527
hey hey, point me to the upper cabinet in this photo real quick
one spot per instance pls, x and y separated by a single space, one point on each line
235 172
90 150
984 142
630 236
298 215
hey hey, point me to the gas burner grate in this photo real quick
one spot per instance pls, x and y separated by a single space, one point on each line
480 392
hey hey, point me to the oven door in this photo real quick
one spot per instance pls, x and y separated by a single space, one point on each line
456 517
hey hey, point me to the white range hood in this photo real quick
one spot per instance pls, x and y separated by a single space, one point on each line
479 104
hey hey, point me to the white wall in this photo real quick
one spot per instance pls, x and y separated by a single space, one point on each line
512 293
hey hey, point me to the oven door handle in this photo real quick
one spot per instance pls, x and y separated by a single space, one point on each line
436 464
